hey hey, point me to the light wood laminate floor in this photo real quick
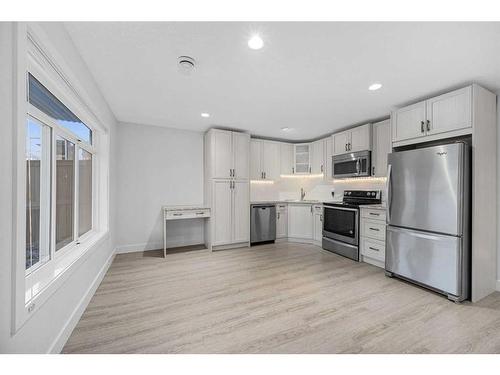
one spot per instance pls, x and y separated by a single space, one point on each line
279 298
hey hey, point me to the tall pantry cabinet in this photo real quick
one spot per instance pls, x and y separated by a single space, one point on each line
227 191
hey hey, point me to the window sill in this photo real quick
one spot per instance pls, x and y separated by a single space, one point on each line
44 282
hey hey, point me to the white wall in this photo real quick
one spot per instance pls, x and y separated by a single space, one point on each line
498 191
48 328
157 166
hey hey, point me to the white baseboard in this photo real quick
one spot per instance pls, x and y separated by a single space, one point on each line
71 323
146 246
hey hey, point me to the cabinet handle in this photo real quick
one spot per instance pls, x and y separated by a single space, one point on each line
309 169
373 248
374 214
375 229
428 125
265 175
421 126
373 171
321 218
293 170
278 215
177 214
234 172
199 213
321 168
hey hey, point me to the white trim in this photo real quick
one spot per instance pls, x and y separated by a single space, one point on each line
77 313
146 246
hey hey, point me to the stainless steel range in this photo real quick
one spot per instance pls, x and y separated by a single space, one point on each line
341 222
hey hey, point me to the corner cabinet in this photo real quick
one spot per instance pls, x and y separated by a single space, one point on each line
443 116
381 147
353 140
302 158
227 190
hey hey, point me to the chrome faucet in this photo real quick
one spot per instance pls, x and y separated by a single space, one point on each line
302 194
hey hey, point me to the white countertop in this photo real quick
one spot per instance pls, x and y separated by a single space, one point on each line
381 206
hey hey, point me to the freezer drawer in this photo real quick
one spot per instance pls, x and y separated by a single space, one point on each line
429 259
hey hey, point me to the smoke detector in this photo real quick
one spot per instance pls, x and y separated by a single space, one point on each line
186 64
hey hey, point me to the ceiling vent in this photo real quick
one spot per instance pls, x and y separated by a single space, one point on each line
186 64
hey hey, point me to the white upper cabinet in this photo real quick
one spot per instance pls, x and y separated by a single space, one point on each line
382 145
302 158
271 160
222 154
361 138
451 111
241 155
409 122
352 140
264 160
340 142
318 157
328 159
256 172
286 158
227 154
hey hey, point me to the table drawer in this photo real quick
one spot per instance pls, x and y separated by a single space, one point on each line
373 249
373 229
187 214
373 214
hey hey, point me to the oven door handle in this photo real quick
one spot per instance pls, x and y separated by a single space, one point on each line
340 208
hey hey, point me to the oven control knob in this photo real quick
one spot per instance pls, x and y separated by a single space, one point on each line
368 193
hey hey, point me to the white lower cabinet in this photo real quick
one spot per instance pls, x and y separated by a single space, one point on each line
300 221
318 224
231 212
372 239
281 221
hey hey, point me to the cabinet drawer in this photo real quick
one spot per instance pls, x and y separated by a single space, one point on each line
373 229
318 209
187 214
281 207
373 249
373 214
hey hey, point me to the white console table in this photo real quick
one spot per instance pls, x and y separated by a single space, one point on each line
180 213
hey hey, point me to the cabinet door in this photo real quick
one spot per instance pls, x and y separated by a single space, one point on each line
281 221
451 111
408 122
256 160
382 146
302 159
241 155
222 212
318 227
271 160
328 150
286 158
300 221
241 211
317 157
222 151
340 141
360 139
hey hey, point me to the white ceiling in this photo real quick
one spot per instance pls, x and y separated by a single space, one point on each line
311 77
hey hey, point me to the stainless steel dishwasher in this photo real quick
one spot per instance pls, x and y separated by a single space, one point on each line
262 223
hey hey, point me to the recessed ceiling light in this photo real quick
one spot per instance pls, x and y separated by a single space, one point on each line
206 115
374 86
285 129
255 42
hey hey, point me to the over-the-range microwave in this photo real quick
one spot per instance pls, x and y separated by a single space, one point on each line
354 164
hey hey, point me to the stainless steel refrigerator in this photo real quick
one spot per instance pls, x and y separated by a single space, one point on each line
428 204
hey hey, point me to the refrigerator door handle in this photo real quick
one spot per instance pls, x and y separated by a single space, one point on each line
389 193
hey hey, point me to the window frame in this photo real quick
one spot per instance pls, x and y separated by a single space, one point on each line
33 53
